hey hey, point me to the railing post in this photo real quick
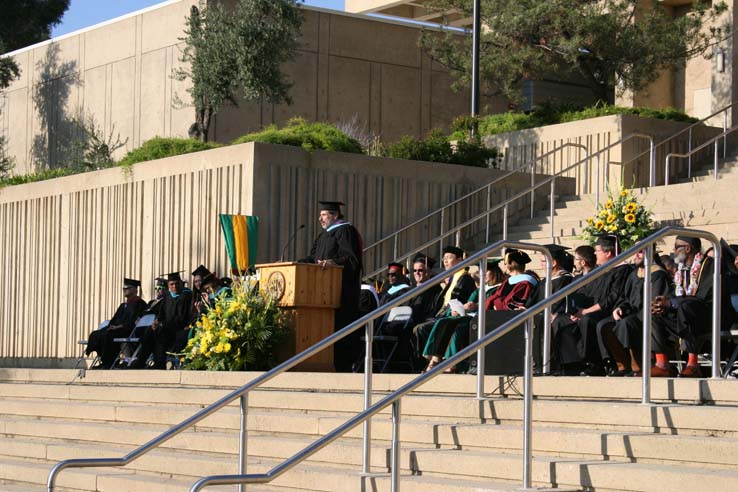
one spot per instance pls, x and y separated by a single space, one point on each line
716 310
646 359
652 164
532 189
481 325
597 181
528 400
666 168
546 356
504 222
368 369
396 446
587 188
689 154
458 237
394 248
551 206
489 205
715 159
725 134
243 440
440 234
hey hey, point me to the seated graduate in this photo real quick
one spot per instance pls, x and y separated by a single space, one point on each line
426 304
517 288
174 314
397 283
199 294
450 334
459 286
562 264
620 336
121 325
604 293
687 314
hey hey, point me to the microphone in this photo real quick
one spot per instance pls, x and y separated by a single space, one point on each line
289 241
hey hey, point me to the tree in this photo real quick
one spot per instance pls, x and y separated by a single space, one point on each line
238 51
610 44
23 23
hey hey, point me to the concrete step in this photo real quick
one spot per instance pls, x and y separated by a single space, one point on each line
596 474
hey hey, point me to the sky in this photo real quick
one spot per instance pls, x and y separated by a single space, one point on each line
85 13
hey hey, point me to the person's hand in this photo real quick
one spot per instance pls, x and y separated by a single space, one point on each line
617 314
470 306
454 313
155 325
735 262
325 263
659 305
577 316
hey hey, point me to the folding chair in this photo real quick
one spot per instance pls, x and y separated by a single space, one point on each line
83 343
132 344
399 315
731 334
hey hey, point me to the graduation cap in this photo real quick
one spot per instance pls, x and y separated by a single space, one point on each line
429 262
226 281
395 267
129 282
493 262
161 282
558 252
609 241
209 278
174 276
694 242
201 271
454 250
519 257
331 206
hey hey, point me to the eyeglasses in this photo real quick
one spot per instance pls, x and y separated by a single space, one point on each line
578 259
393 274
421 270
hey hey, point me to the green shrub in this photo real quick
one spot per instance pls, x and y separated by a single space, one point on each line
551 114
42 175
309 136
437 147
159 147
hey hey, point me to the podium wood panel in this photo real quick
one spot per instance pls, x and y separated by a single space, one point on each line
310 294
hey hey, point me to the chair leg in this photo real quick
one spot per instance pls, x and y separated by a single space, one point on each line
731 362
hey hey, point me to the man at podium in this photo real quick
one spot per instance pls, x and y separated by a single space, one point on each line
340 244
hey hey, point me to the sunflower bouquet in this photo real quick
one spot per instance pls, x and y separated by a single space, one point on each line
239 332
620 215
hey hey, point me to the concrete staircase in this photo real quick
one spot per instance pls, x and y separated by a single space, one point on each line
701 203
589 433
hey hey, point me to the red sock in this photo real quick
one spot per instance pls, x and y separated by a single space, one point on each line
661 360
692 360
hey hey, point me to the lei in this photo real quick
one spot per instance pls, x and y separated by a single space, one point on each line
694 271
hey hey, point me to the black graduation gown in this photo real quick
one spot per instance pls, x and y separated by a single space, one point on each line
342 244
101 341
173 314
539 293
387 297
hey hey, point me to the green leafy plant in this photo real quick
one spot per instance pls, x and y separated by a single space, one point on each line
309 136
158 148
41 175
238 333
7 163
437 147
620 215
552 114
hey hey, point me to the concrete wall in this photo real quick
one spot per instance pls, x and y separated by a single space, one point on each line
67 243
120 73
597 134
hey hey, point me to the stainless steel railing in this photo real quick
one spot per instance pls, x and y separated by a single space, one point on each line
505 206
367 321
441 212
714 141
526 317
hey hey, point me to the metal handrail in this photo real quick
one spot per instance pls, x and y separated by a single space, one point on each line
482 341
530 163
367 321
723 110
713 141
505 205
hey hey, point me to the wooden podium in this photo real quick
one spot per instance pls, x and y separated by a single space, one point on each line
311 295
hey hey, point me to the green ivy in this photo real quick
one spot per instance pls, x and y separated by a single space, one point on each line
309 136
158 148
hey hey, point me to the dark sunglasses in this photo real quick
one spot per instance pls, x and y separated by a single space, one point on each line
421 270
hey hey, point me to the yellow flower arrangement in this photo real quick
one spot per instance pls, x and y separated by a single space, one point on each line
238 332
622 215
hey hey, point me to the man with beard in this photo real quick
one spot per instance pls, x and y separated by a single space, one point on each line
620 336
687 313
397 283
121 325
340 244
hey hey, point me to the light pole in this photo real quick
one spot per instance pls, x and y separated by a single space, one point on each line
475 65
